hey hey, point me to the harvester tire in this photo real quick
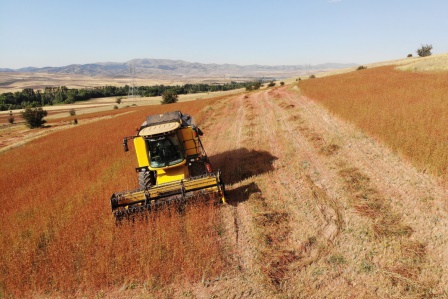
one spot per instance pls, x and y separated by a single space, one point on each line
146 179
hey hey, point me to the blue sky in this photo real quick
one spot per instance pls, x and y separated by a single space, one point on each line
55 33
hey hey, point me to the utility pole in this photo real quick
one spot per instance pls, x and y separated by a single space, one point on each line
132 88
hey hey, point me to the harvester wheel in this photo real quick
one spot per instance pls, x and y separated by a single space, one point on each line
146 179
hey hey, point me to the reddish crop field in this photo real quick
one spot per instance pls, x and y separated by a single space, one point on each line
57 232
406 110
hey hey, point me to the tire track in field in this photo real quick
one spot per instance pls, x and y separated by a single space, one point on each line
226 123
279 254
321 212
273 224
403 263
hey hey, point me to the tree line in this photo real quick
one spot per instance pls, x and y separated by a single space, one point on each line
28 97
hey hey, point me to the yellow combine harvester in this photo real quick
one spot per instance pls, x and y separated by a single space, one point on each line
172 167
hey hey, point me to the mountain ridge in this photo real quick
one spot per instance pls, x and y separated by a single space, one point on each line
147 66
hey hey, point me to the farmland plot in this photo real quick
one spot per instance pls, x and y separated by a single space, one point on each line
316 208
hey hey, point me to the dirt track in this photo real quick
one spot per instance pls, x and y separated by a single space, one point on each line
317 209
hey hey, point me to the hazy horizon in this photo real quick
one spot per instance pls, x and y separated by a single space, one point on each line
211 63
51 33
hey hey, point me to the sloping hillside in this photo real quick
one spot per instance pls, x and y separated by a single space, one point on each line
316 209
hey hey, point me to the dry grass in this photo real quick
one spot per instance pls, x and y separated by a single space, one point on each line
369 203
409 111
403 257
106 104
433 63
11 82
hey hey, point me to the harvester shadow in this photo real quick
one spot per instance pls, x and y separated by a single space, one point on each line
240 164
243 193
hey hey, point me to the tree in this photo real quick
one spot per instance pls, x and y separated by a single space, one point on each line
11 118
169 96
424 51
34 117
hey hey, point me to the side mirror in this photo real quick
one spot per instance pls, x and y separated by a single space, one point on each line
125 145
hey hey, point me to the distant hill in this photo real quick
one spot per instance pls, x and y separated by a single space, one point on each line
167 67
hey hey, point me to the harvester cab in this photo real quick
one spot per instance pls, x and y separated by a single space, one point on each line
172 167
